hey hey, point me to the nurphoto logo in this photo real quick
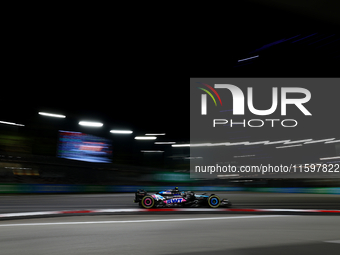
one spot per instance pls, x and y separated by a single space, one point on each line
239 104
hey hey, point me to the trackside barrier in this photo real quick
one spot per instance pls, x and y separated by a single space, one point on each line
64 188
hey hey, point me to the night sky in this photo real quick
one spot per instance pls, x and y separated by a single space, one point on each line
138 79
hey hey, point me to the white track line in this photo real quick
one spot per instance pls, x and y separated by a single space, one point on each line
28 214
335 241
141 221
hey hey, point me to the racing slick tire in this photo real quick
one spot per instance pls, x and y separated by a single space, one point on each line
214 201
147 202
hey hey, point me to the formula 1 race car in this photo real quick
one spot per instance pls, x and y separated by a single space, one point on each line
176 198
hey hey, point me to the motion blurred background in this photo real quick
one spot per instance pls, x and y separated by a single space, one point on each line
136 79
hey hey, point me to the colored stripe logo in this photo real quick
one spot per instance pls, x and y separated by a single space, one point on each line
208 92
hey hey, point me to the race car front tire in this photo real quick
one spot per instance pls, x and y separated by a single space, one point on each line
214 201
147 202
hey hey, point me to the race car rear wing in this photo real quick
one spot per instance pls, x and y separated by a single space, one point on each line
139 194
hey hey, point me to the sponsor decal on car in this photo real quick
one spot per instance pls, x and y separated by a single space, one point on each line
175 201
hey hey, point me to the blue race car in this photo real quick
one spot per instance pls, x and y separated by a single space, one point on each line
176 198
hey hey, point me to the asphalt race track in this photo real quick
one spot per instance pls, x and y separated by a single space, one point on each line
172 234
32 203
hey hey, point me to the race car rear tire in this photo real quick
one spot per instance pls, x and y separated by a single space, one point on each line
147 202
214 201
